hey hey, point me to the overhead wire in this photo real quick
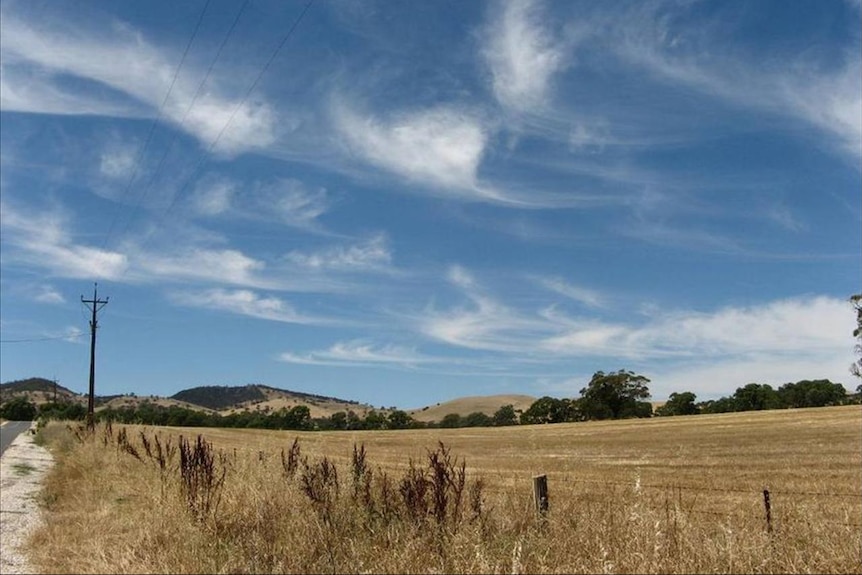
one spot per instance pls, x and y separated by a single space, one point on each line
203 157
188 110
27 340
155 121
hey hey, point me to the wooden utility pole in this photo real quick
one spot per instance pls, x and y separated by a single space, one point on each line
93 305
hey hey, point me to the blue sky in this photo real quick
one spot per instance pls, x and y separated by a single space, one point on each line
402 203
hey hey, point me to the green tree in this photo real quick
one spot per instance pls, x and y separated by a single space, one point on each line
338 420
18 409
299 417
451 420
505 416
546 409
679 404
720 405
62 410
817 393
374 420
615 395
477 419
353 420
756 397
399 419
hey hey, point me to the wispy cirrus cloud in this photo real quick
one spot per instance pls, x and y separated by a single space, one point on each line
585 296
283 200
137 72
247 303
227 266
796 327
440 147
213 196
809 329
117 162
49 294
486 325
522 54
825 96
42 240
31 90
373 254
360 353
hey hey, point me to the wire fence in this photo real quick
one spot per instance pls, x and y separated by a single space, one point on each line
669 486
763 495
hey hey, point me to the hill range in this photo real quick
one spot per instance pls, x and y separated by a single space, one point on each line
255 397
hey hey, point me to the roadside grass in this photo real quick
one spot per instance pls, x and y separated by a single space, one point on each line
667 495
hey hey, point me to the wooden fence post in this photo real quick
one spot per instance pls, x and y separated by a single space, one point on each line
768 507
540 493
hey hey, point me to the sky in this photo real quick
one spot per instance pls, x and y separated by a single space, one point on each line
402 203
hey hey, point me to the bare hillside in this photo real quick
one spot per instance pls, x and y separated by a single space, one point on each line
463 406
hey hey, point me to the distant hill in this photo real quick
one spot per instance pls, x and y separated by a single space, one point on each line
226 399
463 406
36 389
211 398
220 396
230 399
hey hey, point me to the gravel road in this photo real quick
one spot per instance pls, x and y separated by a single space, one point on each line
22 467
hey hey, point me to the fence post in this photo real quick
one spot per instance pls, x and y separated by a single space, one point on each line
540 493
768 507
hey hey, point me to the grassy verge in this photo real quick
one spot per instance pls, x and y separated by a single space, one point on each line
673 495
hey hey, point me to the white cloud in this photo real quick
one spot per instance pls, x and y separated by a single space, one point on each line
373 254
223 266
440 147
831 102
42 240
359 353
48 294
799 327
73 334
294 203
588 297
489 325
590 137
247 303
212 197
522 55
123 60
33 91
284 200
788 339
117 163
828 99
461 277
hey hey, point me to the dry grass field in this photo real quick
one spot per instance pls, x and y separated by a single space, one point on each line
666 495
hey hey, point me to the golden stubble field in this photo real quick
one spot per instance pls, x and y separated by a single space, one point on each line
666 495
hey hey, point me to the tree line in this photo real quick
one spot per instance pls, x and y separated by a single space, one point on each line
617 395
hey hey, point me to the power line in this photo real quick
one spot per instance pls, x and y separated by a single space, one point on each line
155 121
188 110
70 336
206 154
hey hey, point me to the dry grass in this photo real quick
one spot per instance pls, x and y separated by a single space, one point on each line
318 408
669 495
135 402
463 406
